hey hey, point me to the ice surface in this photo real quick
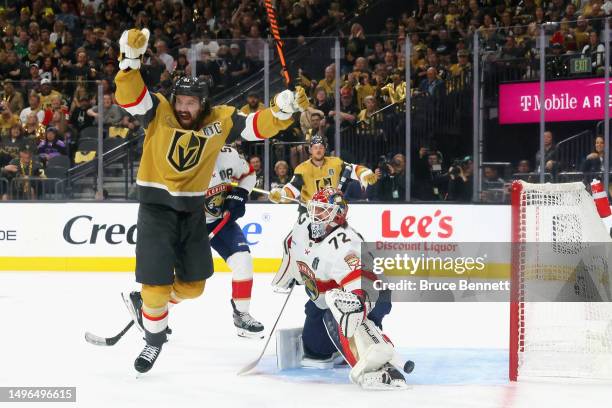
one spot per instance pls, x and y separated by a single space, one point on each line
459 351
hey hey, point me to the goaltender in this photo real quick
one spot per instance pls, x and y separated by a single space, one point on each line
183 137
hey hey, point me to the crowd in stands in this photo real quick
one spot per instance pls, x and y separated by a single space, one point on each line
440 33
53 53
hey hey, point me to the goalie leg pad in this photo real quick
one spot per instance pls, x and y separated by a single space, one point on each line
289 350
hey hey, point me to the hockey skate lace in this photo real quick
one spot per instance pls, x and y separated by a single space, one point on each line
248 319
149 353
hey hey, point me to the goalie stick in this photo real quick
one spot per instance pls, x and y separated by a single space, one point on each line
111 341
254 363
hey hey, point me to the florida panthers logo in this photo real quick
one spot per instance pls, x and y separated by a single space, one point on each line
214 204
186 150
310 282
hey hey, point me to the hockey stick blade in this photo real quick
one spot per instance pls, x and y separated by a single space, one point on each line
254 363
107 341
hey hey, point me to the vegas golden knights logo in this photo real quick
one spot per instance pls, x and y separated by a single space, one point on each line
321 183
186 150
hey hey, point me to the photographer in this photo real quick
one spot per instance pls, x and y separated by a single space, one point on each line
391 185
429 182
460 183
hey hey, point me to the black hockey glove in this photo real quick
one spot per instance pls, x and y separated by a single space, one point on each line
235 202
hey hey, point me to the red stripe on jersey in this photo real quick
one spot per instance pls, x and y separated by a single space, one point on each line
346 348
242 289
155 318
325 285
356 274
255 130
251 171
138 100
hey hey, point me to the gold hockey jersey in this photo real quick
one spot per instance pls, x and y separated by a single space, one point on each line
177 164
309 178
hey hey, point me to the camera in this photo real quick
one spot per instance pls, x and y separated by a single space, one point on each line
383 165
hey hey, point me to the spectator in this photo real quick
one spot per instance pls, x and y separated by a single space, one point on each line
13 68
47 93
254 45
594 162
281 174
12 97
51 146
460 184
348 109
391 185
255 162
550 153
79 118
32 128
161 52
12 143
368 116
523 166
428 178
328 83
491 175
113 114
432 85
35 107
7 119
321 100
237 66
22 169
595 50
253 104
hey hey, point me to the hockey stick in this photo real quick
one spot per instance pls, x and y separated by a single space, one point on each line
111 341
266 192
278 42
254 363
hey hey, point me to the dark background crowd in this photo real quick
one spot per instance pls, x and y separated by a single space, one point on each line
54 53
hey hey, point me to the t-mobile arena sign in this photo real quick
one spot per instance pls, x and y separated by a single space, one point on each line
576 99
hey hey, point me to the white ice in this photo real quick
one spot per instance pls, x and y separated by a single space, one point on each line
459 351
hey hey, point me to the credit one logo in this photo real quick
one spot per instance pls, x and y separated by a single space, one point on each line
82 230
425 226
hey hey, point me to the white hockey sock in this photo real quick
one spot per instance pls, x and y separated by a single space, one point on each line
241 264
155 320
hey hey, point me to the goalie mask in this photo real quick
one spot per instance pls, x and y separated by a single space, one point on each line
327 210
191 86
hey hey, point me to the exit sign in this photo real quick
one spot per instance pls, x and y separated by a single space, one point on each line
580 65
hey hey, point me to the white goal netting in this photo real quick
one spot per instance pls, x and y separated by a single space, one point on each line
561 314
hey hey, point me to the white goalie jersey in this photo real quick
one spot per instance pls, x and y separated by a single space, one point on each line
333 262
230 168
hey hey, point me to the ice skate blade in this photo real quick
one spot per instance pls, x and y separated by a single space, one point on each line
249 335
130 307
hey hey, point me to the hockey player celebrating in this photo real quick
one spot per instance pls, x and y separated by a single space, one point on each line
339 315
313 175
230 242
183 137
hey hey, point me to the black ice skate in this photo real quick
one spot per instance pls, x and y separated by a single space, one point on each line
144 362
133 302
246 325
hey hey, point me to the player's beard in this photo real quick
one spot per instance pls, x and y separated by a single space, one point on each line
186 120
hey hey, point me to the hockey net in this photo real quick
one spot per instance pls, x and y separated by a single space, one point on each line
554 228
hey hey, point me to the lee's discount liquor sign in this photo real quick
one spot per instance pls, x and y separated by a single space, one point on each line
569 100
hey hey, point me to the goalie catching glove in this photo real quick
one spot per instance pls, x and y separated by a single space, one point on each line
132 46
288 102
